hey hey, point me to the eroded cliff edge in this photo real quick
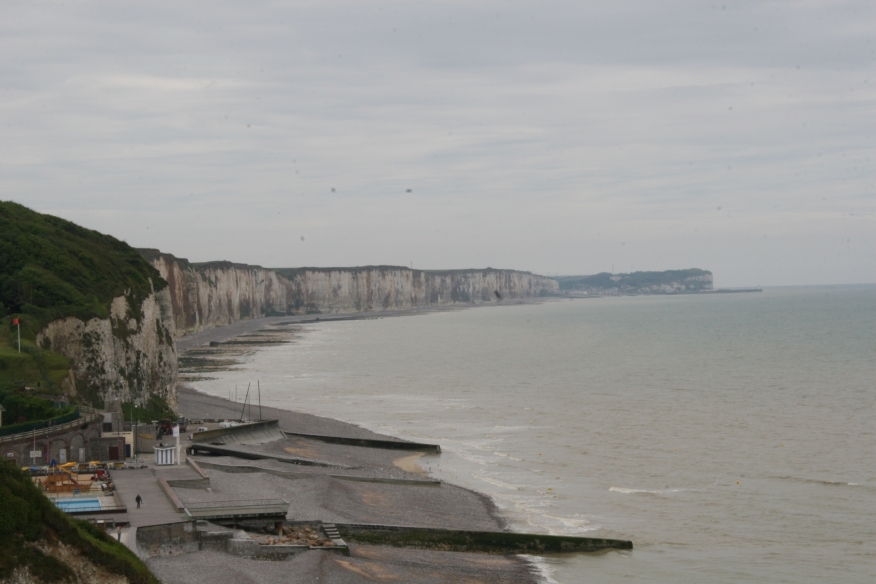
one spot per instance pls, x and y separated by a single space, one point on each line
82 314
219 293
130 356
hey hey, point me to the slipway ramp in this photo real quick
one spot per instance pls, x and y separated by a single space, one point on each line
249 434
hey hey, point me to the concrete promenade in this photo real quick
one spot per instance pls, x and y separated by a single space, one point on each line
156 507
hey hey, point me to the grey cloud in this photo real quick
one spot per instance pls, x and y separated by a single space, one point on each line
532 135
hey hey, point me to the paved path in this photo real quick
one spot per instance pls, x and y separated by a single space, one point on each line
156 508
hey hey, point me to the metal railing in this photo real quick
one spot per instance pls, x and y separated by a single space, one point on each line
209 505
87 415
224 509
81 508
83 494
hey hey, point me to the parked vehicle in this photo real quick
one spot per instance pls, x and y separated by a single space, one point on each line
165 427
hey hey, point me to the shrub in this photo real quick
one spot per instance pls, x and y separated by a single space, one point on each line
27 516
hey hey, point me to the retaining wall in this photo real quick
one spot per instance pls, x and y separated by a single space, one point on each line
368 442
251 433
175 539
83 432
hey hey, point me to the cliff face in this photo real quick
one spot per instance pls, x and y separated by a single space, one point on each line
219 293
337 290
461 286
316 290
129 356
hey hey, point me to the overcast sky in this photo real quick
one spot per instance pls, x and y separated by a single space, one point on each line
558 137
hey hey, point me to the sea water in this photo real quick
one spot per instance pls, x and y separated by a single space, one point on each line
731 437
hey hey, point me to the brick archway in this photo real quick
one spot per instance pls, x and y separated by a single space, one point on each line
41 460
77 441
56 446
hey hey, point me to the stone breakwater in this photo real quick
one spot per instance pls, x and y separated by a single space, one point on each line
219 293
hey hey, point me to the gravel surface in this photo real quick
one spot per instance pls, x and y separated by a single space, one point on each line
315 495
195 405
367 564
324 498
350 460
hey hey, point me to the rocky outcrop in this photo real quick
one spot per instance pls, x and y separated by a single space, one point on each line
129 356
219 293
78 562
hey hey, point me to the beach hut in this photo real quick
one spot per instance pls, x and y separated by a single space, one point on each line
165 455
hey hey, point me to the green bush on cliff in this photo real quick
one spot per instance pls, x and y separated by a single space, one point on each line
51 268
633 281
28 520
33 366
27 408
156 409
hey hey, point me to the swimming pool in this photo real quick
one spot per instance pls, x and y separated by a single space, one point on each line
72 505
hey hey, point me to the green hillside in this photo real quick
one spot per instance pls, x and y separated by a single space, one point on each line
51 268
632 282
28 519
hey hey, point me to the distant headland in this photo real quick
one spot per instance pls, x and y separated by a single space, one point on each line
691 281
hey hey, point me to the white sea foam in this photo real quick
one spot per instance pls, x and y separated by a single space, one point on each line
652 492
498 483
542 568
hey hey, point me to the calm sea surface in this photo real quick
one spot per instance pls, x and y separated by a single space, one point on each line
731 437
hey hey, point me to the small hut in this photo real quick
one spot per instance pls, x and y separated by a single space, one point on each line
165 455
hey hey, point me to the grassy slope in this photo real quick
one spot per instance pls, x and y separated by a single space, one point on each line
49 269
633 281
28 518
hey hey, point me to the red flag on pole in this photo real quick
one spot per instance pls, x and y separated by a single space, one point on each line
16 321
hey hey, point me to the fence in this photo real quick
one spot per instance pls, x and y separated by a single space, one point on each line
31 426
81 415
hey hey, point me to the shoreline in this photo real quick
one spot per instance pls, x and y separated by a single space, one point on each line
228 331
313 423
331 498
460 507
326 426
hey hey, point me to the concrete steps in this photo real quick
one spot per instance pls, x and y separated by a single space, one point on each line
332 532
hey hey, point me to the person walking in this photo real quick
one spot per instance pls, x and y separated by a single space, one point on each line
139 500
